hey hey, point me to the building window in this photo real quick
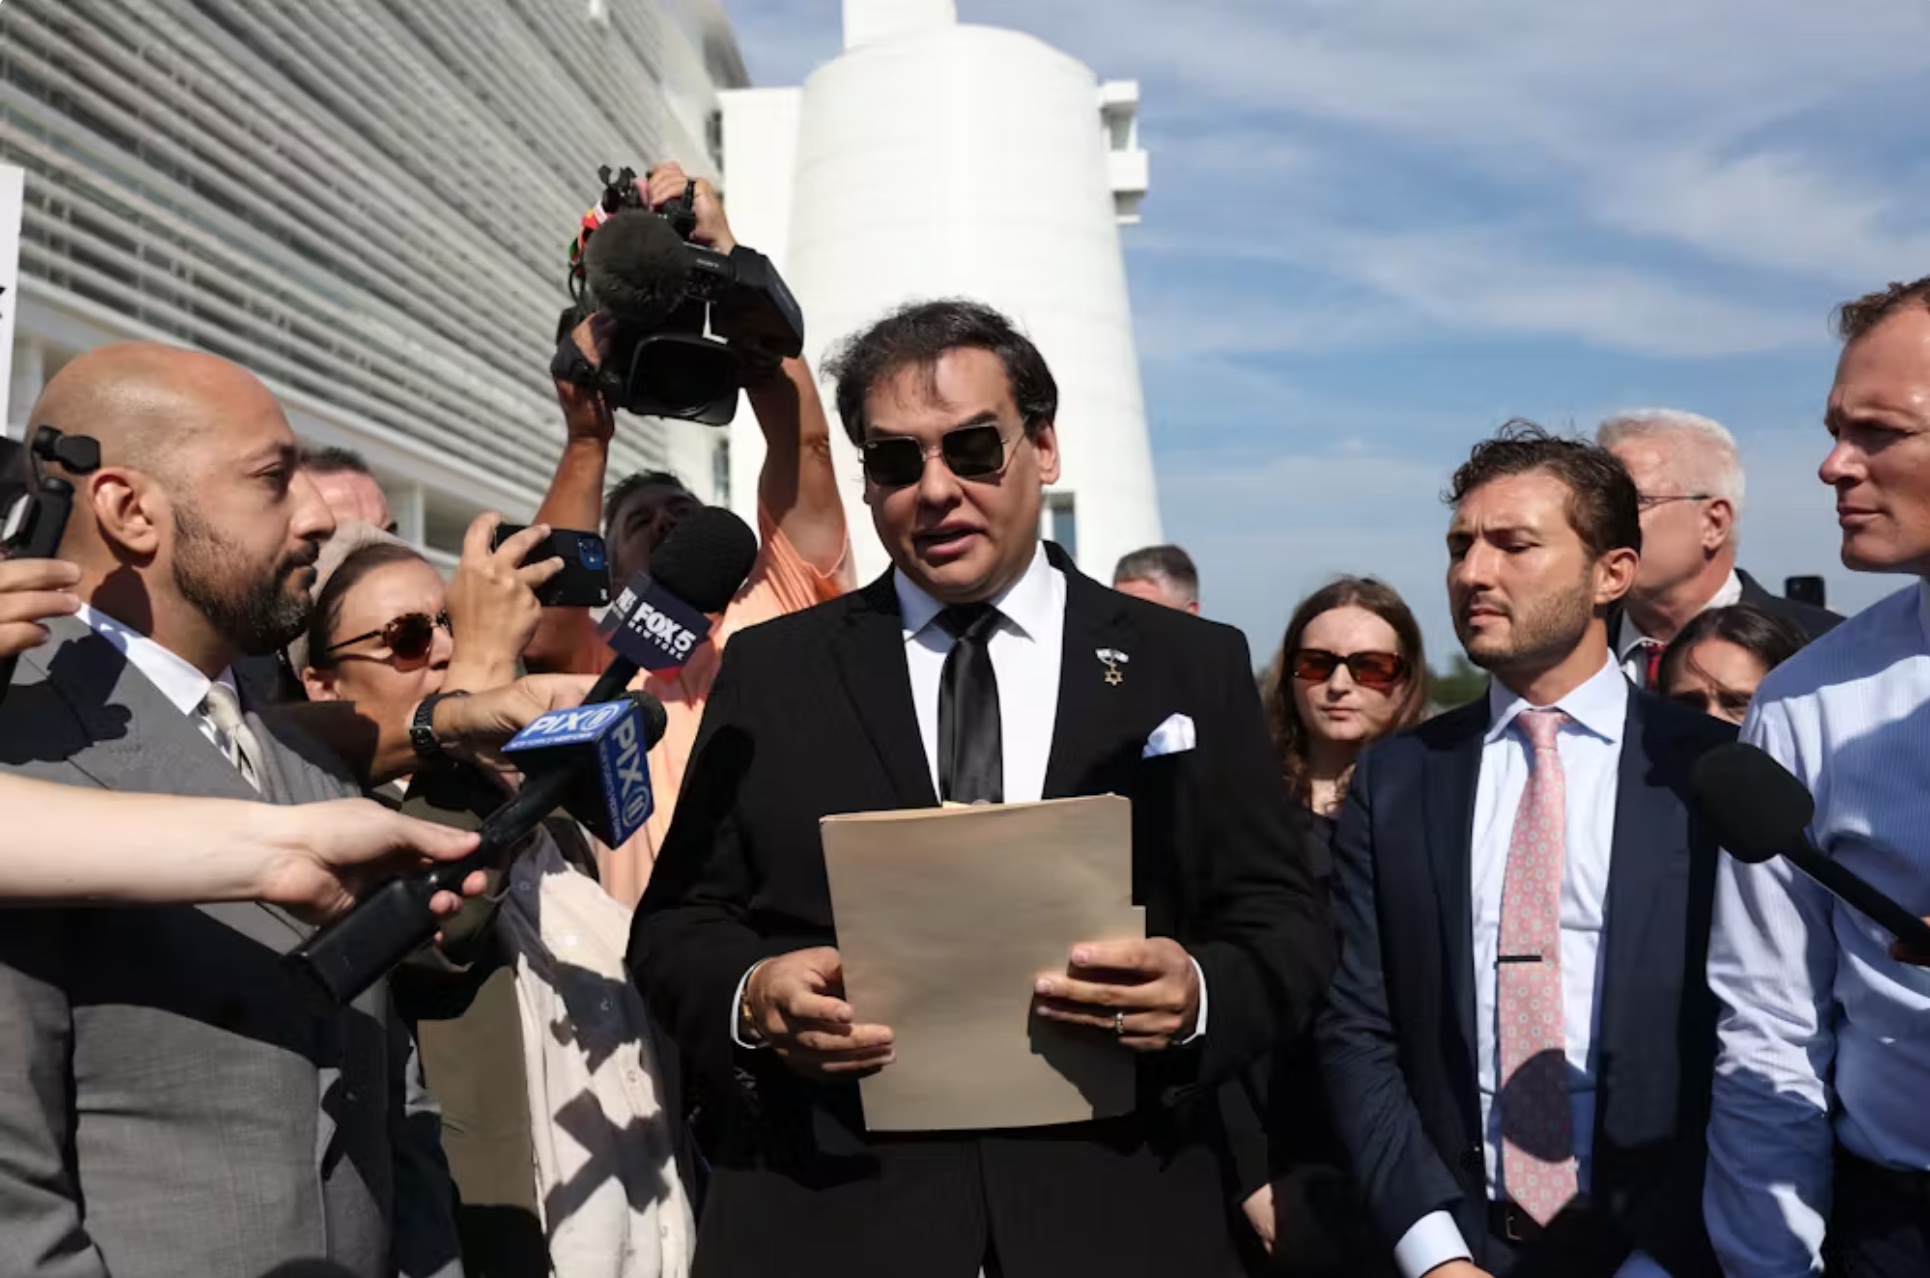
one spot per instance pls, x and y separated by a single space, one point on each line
1062 523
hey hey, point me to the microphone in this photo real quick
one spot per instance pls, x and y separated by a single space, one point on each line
664 613
636 267
599 750
699 566
1760 811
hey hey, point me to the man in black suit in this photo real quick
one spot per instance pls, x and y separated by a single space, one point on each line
1518 1039
983 667
1689 481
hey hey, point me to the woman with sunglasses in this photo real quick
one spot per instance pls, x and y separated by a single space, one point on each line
380 628
547 950
1350 671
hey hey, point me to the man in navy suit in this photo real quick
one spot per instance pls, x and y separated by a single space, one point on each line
1518 1039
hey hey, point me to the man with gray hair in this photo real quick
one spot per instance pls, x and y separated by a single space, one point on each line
1162 575
1690 482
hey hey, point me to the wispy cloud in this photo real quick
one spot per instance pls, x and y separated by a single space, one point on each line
1377 227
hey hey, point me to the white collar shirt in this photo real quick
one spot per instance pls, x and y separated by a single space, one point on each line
1027 650
184 686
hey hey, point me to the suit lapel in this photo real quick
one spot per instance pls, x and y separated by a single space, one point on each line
872 665
1650 845
1086 726
138 739
1453 772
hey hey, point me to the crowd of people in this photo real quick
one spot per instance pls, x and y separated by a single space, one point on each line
1426 989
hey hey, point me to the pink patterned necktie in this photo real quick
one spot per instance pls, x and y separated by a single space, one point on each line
1537 1136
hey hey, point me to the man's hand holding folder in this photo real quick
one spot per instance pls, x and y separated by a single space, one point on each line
1147 993
794 1004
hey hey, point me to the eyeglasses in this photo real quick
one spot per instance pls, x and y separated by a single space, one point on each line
409 636
1649 501
1381 671
970 452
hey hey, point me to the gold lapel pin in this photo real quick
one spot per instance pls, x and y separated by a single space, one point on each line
1113 659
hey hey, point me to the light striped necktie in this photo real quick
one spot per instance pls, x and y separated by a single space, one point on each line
1537 1127
233 736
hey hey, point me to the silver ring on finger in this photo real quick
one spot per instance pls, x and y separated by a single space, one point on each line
1119 1024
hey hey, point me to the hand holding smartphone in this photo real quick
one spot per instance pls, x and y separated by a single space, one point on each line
585 579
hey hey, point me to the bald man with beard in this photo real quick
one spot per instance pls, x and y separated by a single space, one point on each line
172 1104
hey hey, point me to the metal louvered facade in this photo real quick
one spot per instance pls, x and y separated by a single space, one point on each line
367 202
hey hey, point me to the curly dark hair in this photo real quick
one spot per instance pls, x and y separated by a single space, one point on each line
1855 318
1276 694
915 336
1604 506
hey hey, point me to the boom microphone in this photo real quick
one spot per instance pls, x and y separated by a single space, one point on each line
636 267
697 569
1759 811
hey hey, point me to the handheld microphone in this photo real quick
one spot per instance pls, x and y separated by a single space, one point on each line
698 567
1758 810
599 749
658 620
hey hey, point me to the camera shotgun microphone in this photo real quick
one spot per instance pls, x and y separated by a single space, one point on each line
696 571
1759 811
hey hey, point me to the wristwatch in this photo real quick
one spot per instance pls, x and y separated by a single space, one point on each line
422 729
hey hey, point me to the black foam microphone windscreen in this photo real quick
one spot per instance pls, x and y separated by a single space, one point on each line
636 267
705 558
1756 808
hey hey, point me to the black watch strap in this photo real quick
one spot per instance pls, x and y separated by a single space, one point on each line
422 729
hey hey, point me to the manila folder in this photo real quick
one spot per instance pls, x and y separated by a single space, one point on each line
945 918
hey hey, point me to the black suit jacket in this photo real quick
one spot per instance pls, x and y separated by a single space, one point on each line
812 715
1397 1039
1814 622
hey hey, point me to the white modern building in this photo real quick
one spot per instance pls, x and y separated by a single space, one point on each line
934 159
368 202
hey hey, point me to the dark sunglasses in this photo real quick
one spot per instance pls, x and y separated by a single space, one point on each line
970 452
409 636
1380 671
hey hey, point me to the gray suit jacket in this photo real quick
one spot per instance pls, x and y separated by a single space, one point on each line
172 1102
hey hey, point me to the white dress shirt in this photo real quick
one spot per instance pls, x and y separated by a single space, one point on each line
185 687
1814 1008
1629 638
1026 649
1590 746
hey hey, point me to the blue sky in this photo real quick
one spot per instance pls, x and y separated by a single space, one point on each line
1379 228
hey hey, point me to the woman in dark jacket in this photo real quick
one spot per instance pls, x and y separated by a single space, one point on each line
1350 671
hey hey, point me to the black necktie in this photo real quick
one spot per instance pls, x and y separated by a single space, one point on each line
971 758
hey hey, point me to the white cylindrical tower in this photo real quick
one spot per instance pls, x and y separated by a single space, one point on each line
937 160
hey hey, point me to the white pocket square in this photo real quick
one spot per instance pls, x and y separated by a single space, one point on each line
1171 737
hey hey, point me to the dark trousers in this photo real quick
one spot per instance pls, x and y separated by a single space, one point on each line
1880 1225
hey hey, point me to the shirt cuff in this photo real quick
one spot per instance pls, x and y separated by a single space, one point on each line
1641 1265
1430 1242
1199 1022
737 1002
